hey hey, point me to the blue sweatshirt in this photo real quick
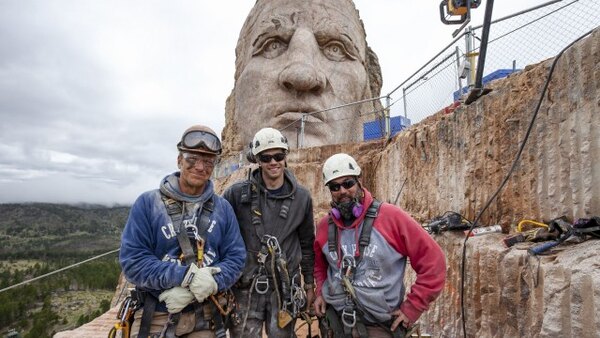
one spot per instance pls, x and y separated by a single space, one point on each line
150 250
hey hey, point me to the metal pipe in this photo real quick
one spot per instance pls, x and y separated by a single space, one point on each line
484 42
388 129
404 101
457 52
469 53
302 125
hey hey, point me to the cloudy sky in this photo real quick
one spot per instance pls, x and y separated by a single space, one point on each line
95 94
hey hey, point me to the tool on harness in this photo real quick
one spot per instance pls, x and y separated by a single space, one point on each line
279 267
125 316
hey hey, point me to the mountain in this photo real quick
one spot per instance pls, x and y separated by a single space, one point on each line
39 230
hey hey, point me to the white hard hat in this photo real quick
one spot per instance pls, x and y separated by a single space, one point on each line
268 138
340 165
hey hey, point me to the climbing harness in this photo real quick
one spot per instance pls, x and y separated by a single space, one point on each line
219 307
352 315
290 296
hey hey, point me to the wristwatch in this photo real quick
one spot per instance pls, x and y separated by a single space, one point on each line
309 287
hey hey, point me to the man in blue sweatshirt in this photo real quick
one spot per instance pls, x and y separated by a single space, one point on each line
182 245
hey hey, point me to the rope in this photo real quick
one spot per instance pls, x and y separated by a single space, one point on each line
57 271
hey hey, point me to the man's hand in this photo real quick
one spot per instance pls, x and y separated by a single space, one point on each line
401 319
320 306
176 298
201 282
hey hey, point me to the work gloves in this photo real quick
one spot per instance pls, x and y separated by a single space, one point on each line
176 298
200 281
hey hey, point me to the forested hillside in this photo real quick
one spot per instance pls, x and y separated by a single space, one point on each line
38 238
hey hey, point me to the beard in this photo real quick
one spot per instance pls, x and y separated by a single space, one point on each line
346 208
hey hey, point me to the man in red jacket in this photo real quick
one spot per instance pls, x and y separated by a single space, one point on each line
361 249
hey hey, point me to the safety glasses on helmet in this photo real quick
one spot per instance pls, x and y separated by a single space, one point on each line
267 158
200 139
347 184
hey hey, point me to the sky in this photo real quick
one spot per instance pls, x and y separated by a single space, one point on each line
94 95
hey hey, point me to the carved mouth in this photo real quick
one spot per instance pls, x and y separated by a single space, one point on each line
290 117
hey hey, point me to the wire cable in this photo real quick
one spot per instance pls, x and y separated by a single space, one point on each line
508 175
57 271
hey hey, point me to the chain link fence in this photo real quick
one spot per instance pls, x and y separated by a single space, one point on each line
515 41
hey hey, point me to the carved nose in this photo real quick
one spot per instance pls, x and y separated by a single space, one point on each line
302 77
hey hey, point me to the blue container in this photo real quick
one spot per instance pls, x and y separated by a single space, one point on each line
374 130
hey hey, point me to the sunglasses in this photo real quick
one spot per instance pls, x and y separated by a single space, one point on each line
200 139
193 160
267 158
347 184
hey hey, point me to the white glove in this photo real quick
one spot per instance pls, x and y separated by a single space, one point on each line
176 298
200 281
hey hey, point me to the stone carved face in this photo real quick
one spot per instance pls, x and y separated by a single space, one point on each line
302 56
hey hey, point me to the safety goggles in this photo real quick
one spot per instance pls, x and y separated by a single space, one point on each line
194 159
196 139
267 158
347 184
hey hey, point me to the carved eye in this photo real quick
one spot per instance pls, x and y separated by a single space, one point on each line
335 51
272 48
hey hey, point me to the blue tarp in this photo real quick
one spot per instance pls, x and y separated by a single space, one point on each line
497 74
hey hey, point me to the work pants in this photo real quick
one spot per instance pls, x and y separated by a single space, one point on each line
260 309
184 329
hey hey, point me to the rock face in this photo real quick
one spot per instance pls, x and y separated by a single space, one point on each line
298 58
456 162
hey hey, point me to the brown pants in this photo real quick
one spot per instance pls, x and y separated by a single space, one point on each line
185 326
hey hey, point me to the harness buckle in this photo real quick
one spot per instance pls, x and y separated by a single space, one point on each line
349 317
261 284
